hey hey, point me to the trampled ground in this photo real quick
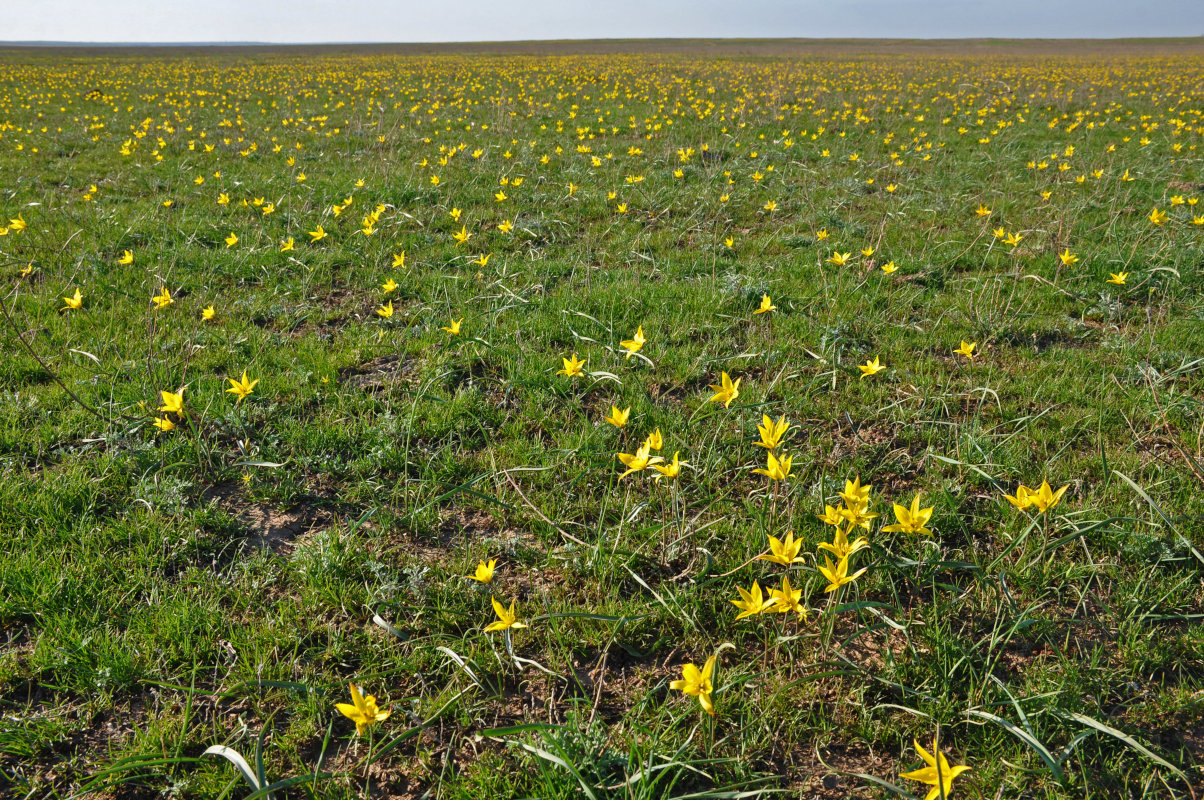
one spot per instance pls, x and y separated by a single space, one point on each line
350 323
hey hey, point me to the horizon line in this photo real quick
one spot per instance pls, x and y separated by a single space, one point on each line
583 40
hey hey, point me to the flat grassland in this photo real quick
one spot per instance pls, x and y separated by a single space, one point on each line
295 339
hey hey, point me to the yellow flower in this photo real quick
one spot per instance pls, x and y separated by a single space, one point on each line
672 469
784 552
726 390
399 260
766 305
74 303
831 516
126 258
889 267
1020 499
939 773
208 313
462 235
751 602
1118 278
173 402
787 599
871 368
775 469
287 245
164 424
453 326
911 520
506 618
655 440
618 418
573 368
162 299
484 572
839 259
317 235
1157 217
242 388
856 512
386 310
982 211
505 226
1044 497
838 575
1068 258
232 239
641 459
389 286
771 432
635 343
854 493
840 546
362 710
966 349
698 683
867 251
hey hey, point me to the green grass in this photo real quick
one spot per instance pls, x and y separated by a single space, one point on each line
221 583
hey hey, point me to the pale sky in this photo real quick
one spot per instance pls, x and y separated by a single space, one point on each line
296 21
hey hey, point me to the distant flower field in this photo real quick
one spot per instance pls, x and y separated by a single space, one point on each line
602 426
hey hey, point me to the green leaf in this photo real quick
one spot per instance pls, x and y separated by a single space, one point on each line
510 730
1127 739
1026 737
240 763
